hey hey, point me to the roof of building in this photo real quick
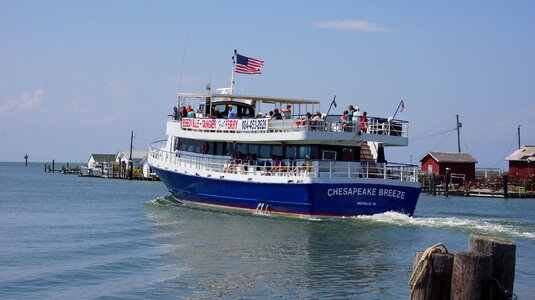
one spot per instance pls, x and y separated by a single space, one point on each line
451 157
526 153
136 154
103 157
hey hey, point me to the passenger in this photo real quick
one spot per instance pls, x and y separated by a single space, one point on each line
356 114
191 114
189 109
307 164
344 120
254 162
175 113
267 166
184 112
231 112
217 114
276 115
317 122
230 166
275 164
364 122
270 114
282 165
287 112
350 111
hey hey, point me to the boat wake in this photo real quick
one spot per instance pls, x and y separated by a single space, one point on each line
489 226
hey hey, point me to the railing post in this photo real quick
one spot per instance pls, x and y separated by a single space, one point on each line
367 170
384 170
349 169
401 177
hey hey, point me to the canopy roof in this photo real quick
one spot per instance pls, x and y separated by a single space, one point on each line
264 99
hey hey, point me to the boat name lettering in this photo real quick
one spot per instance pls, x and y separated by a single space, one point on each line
343 191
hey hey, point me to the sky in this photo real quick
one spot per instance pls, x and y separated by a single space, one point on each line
76 77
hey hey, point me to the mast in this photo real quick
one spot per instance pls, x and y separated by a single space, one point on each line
232 73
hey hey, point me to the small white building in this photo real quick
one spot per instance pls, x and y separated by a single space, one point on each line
139 160
100 160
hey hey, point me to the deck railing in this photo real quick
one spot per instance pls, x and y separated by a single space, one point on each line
374 125
221 165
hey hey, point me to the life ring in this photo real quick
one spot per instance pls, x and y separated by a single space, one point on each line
205 148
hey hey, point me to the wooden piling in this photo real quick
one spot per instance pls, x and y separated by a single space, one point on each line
503 252
505 188
472 272
53 166
436 281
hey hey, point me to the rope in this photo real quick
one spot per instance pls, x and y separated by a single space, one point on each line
423 263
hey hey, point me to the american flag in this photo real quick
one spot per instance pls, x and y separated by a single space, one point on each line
401 105
247 65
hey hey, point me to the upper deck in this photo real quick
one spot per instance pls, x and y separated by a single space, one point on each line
294 128
333 129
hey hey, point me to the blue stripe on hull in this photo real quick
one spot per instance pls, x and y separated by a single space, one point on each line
332 199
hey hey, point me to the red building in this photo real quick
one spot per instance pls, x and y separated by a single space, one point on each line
459 163
522 162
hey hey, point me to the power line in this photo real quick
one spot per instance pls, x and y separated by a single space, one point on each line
433 134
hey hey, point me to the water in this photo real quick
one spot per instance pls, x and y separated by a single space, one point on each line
66 237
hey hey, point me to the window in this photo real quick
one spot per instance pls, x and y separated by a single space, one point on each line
190 148
220 149
241 148
304 151
277 150
197 149
253 149
265 151
291 151
230 148
328 154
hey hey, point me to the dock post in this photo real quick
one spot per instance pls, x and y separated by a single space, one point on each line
472 272
505 188
447 181
436 282
503 252
53 166
433 186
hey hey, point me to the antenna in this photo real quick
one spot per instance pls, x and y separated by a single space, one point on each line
181 71
518 136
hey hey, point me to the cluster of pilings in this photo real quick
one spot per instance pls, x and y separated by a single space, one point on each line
485 271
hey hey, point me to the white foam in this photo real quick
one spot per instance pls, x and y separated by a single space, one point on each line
490 226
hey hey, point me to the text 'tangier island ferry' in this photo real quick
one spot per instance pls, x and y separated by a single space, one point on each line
222 152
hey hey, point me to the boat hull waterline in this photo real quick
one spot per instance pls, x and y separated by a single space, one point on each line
296 199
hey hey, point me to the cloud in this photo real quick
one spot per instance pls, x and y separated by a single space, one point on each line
26 101
358 25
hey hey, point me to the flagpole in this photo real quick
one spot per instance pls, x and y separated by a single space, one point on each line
330 107
397 109
232 73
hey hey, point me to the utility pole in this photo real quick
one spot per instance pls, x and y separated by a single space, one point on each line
518 136
130 163
459 125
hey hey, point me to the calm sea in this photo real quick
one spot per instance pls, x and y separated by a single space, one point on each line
67 237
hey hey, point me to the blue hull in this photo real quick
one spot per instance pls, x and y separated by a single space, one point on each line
308 199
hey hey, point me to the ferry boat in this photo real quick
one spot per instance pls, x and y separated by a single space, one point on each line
291 165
